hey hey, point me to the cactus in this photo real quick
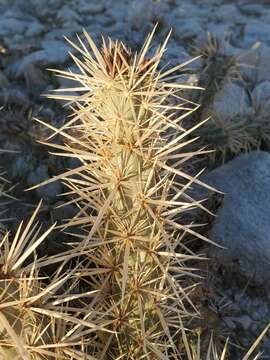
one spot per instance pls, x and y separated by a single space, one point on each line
227 137
36 318
224 137
128 133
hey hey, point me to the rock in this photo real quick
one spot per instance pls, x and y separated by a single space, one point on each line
231 100
187 28
14 95
228 13
174 55
57 34
255 64
183 9
256 30
230 323
35 80
67 15
68 83
244 321
4 82
144 13
242 223
21 164
54 52
62 211
11 26
91 7
261 95
40 7
47 192
252 9
263 65
19 67
248 59
35 28
220 31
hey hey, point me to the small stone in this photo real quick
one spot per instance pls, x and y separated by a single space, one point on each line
48 192
19 168
187 29
220 31
183 9
255 64
230 101
228 13
56 51
18 68
11 26
244 321
248 58
4 82
263 66
41 7
15 95
57 34
256 30
145 12
252 9
91 7
62 211
35 80
53 53
35 29
68 83
67 15
261 95
229 321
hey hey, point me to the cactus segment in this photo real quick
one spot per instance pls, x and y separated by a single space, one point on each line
127 131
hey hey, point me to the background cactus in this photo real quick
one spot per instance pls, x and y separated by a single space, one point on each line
36 317
229 131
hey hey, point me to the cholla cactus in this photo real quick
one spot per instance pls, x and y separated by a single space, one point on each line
228 136
131 190
36 320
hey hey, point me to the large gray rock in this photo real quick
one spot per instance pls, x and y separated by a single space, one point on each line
242 224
